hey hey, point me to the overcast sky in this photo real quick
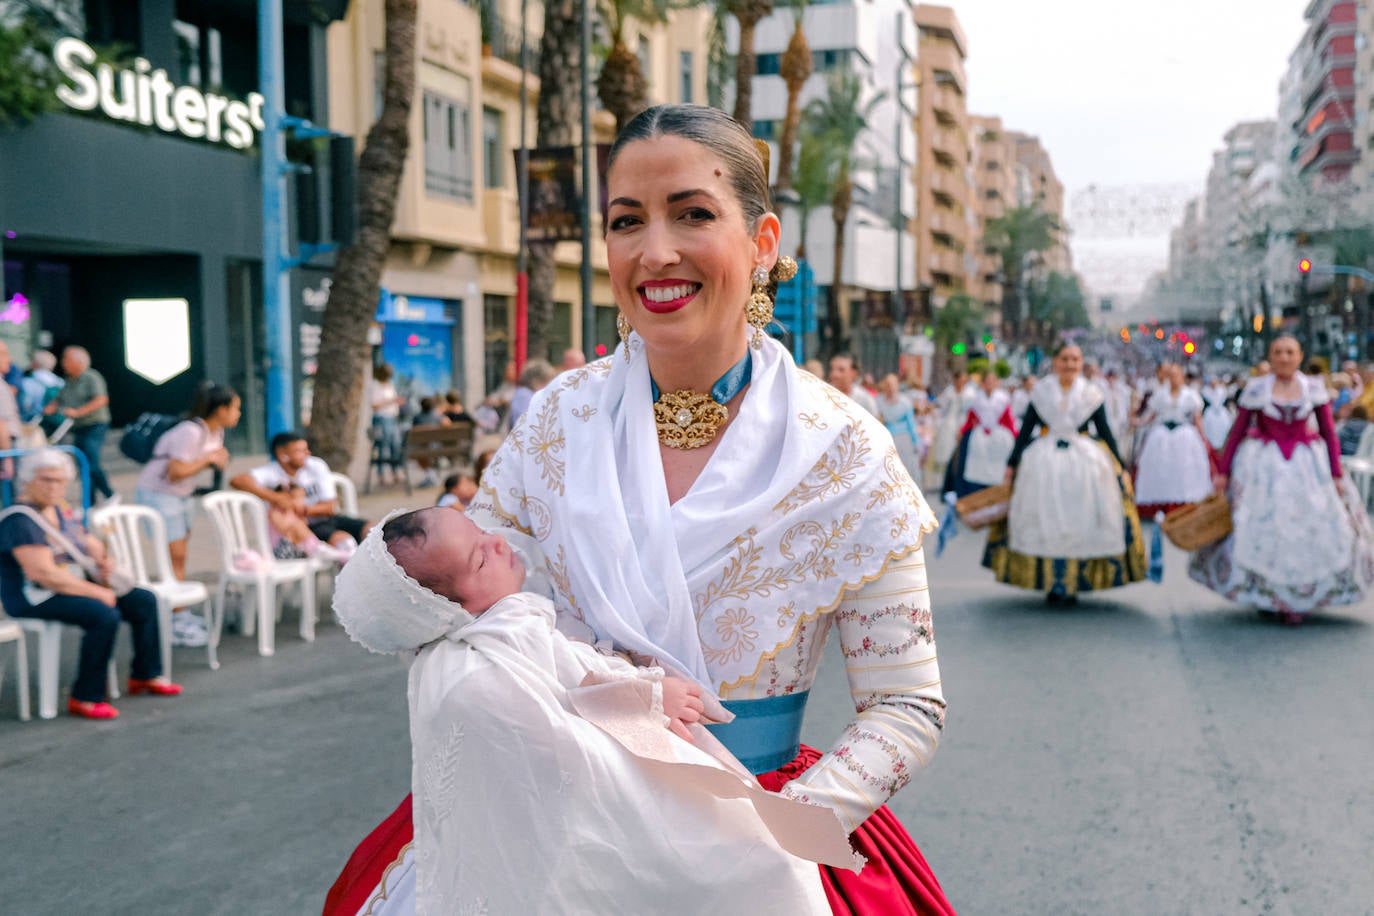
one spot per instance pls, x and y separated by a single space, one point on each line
1127 92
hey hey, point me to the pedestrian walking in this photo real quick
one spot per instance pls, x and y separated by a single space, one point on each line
85 400
1216 414
167 484
844 376
386 423
536 374
952 407
1300 537
1072 525
706 504
898 415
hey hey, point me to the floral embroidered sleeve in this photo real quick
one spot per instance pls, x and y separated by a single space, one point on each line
889 650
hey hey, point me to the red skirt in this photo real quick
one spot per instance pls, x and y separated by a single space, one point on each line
896 881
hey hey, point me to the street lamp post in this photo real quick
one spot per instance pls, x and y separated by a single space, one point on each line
588 306
899 221
522 275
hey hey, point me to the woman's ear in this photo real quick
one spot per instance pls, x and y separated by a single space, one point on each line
768 239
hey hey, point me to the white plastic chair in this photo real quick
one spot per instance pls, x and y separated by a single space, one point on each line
11 631
348 494
151 566
240 521
49 633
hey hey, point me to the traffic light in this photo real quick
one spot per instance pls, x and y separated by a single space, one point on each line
1304 266
959 348
1190 348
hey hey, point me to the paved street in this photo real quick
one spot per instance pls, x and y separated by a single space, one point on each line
1152 751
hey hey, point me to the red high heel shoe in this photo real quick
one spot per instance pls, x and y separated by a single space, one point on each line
101 710
158 686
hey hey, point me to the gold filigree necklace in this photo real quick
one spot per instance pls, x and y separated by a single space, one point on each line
690 419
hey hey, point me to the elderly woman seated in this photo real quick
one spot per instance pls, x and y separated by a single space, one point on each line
39 579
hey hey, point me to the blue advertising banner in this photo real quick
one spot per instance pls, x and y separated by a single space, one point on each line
421 353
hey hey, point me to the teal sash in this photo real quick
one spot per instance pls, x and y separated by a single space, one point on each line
766 733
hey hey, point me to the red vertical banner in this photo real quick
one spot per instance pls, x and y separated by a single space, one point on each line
522 320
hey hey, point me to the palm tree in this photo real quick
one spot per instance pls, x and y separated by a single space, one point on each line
960 317
815 179
558 113
344 350
796 68
1014 236
621 87
842 116
748 13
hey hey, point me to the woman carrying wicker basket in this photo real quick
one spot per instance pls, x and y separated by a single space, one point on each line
1300 537
1072 525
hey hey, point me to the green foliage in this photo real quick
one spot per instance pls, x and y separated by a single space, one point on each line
29 79
1058 301
813 180
720 63
958 319
1019 232
840 115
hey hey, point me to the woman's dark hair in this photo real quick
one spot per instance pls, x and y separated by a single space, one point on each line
1285 336
382 373
483 460
210 397
427 404
1357 412
1061 347
718 132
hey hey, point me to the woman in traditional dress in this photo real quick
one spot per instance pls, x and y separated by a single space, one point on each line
708 507
985 440
1300 538
1174 468
899 416
1072 525
1216 414
952 407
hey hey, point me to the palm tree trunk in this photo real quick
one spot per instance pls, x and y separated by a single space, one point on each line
559 110
746 61
344 350
840 215
796 69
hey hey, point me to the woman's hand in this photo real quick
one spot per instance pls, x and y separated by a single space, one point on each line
219 457
682 705
1219 483
105 595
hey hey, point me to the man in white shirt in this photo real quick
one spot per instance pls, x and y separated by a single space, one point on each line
295 466
844 375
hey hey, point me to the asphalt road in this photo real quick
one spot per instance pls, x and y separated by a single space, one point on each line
1151 751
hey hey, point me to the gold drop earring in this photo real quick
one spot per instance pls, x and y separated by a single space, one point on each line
622 327
759 310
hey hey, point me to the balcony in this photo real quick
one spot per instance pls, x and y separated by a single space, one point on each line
944 62
945 261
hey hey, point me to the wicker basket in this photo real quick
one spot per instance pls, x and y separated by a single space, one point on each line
1200 524
978 510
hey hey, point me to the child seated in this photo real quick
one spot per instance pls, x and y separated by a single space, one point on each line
459 489
292 538
524 739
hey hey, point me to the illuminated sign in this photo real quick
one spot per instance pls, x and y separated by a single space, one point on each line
146 96
157 338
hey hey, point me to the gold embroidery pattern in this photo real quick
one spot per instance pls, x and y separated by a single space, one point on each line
858 553
737 634
546 444
813 421
381 895
837 470
584 413
558 572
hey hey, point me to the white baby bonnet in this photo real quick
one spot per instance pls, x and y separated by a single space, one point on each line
383 609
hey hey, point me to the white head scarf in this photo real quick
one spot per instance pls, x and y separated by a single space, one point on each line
383 609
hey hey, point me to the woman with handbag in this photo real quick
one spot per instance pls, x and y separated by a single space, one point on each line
1072 525
1300 537
51 568
168 482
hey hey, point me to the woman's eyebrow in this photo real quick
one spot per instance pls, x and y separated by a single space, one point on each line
675 197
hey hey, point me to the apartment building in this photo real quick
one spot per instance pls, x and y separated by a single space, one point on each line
450 278
946 225
1364 92
1038 184
995 180
872 40
1322 78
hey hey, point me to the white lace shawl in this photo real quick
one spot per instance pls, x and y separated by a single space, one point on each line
1065 411
1258 394
804 499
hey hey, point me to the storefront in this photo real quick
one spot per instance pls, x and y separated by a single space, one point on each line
132 214
418 339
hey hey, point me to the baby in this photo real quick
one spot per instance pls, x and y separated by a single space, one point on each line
523 738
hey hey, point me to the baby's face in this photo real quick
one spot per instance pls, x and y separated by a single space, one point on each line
461 562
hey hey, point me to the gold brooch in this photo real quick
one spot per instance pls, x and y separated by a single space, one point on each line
688 419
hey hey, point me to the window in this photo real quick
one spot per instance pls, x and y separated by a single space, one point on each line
768 65
685 78
448 142
493 149
497 343
830 59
